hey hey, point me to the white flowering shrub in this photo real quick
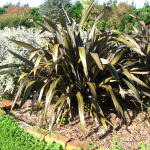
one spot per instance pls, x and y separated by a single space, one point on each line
30 36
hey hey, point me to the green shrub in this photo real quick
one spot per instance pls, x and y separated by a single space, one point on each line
128 28
108 24
35 14
15 21
89 71
88 25
136 25
101 25
120 25
76 11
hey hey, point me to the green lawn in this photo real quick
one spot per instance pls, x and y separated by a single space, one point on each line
14 138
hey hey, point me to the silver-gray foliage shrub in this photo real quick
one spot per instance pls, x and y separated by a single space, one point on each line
30 36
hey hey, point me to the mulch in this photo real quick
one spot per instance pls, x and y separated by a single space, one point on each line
136 130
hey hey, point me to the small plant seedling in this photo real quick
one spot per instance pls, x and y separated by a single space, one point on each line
118 145
147 103
92 146
5 97
69 119
65 120
143 145
88 109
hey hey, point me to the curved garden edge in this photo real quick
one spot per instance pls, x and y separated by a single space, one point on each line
43 134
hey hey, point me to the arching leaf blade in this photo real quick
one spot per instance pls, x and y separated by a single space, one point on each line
22 76
8 71
82 54
117 58
11 65
22 59
52 121
116 104
85 15
27 92
37 62
139 81
97 60
33 102
131 87
23 44
81 110
93 91
8 86
23 83
50 23
105 81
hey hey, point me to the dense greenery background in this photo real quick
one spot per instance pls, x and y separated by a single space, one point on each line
11 16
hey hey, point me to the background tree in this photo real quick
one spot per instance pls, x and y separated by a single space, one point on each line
35 14
142 14
118 15
13 10
2 9
54 6
76 11
85 4
16 16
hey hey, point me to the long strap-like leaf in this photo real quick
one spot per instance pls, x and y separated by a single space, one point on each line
82 54
81 110
85 15
22 59
27 92
23 44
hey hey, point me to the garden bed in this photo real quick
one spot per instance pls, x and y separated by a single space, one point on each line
129 135
13 137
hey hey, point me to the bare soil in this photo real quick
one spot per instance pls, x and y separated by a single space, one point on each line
136 130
